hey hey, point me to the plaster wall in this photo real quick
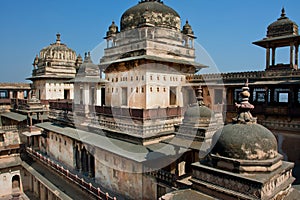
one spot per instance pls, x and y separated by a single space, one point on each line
122 175
61 148
6 182
146 87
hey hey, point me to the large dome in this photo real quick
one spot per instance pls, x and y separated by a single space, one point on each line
58 50
150 12
246 142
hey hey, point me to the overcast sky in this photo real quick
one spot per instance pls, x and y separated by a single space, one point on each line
225 29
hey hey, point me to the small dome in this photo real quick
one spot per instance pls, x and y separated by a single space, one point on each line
195 111
198 111
157 14
113 29
246 142
187 29
283 26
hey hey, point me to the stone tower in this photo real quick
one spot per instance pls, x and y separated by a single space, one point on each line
146 63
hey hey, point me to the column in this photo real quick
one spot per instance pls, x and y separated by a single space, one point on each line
89 164
296 55
268 58
75 157
273 56
146 33
291 55
193 43
80 161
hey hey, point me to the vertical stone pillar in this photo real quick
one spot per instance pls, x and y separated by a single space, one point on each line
80 160
296 55
292 55
89 164
146 33
268 58
273 56
74 157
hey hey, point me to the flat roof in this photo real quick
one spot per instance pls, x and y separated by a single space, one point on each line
156 58
136 152
87 79
278 41
15 116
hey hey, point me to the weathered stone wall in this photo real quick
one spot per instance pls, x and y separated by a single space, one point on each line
61 148
123 175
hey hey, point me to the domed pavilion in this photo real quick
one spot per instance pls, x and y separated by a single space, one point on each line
55 64
281 33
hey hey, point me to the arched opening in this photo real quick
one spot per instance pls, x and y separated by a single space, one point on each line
77 158
16 182
84 162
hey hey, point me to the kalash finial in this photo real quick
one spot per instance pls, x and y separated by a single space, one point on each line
58 38
200 96
283 15
244 108
282 12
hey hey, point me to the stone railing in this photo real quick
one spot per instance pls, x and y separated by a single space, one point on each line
5 147
164 176
130 113
95 191
271 110
243 75
10 127
4 101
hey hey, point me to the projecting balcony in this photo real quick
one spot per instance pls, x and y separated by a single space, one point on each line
130 113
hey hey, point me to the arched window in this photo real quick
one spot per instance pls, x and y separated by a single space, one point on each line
16 182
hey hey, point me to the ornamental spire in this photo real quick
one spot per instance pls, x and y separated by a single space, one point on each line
200 96
244 115
58 38
282 12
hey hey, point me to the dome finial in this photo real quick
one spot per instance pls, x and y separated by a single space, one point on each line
244 108
282 12
200 96
58 38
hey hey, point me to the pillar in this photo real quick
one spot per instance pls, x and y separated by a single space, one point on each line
268 58
273 56
80 162
146 33
291 55
75 157
296 55
89 164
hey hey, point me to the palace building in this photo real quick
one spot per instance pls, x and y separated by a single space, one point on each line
144 123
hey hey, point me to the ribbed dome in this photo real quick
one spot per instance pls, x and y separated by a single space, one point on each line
246 142
283 26
153 13
244 139
58 50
